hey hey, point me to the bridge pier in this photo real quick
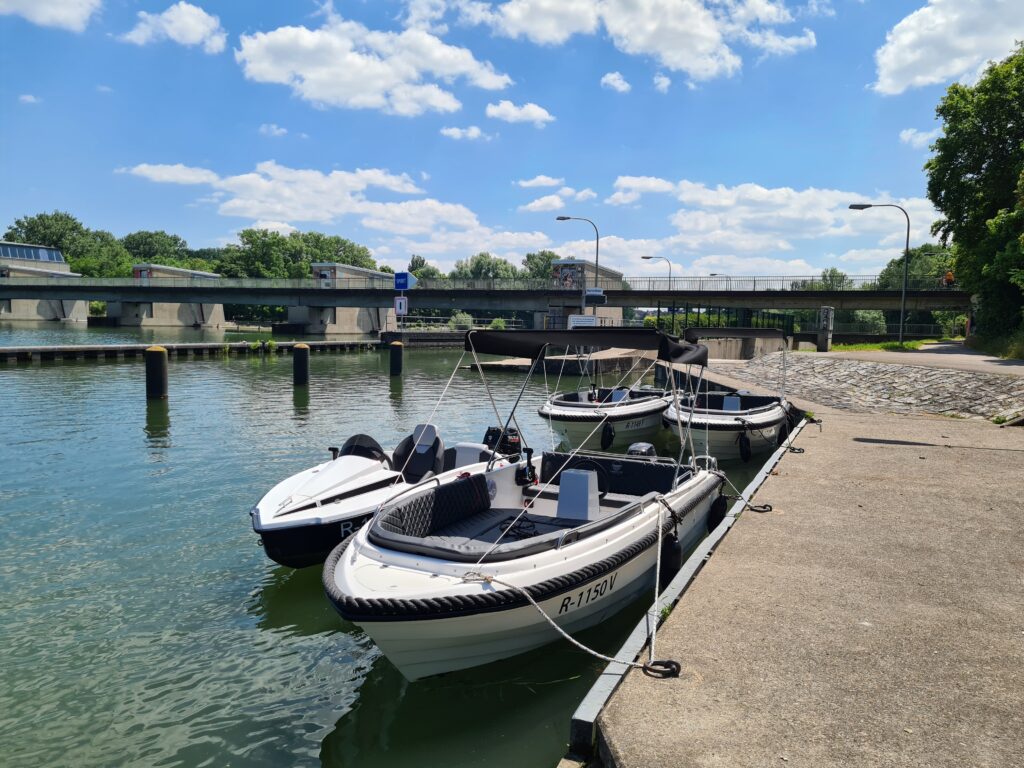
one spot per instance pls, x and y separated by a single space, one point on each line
323 321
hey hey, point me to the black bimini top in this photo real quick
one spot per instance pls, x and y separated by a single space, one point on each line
532 344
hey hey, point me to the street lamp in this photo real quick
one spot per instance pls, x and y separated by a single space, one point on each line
672 310
597 254
906 256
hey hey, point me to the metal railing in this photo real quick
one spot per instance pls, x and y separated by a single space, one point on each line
707 284
890 329
434 324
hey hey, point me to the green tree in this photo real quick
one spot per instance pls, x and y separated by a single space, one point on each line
156 248
97 253
538 265
421 269
318 247
483 266
976 181
57 230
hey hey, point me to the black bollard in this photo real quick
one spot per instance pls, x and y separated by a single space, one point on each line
396 358
156 373
300 365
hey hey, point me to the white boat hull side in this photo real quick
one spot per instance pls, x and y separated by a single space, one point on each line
420 648
724 445
634 430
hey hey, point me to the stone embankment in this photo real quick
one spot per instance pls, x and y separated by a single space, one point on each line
856 385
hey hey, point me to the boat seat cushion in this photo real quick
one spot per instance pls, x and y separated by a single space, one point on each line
429 511
631 477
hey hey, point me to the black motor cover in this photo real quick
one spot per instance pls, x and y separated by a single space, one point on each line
511 444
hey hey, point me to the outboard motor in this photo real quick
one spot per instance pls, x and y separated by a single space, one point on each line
511 445
641 449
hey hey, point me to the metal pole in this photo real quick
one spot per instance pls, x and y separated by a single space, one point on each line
906 267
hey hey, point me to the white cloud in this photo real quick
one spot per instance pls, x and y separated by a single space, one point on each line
104 89
426 15
870 255
28 98
66 14
749 218
183 23
662 83
470 133
549 22
172 174
272 129
690 36
946 40
528 113
728 264
274 226
629 188
616 82
546 203
919 139
566 192
345 64
586 194
540 181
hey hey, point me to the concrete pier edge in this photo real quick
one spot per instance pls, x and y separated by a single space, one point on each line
584 719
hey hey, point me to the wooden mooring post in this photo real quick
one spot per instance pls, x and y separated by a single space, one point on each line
156 373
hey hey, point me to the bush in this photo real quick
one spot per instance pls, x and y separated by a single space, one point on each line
460 321
1011 346
97 308
497 324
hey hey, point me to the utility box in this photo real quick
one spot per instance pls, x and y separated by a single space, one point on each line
826 317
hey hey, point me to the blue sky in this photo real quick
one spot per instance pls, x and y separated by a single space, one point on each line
725 135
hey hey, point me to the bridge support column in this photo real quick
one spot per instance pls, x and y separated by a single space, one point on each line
348 320
825 319
166 315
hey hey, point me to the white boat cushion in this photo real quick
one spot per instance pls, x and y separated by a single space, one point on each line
423 435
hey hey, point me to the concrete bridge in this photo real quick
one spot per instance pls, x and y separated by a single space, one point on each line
763 292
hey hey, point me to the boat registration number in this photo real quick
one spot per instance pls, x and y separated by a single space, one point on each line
588 595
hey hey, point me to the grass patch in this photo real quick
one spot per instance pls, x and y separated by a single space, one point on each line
1010 346
999 420
887 346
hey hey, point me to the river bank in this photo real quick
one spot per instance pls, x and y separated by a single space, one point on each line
871 618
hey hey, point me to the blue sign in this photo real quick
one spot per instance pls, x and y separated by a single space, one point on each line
404 281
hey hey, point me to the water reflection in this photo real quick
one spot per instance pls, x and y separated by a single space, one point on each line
293 601
300 402
489 709
158 423
395 391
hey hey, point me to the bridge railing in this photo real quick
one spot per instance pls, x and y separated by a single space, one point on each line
703 284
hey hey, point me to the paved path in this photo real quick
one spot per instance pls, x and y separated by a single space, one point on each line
874 618
945 354
861 386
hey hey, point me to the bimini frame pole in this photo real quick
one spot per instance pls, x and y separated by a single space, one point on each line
512 413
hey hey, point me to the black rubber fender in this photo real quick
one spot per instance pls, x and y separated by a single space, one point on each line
745 452
607 435
671 559
717 512
783 432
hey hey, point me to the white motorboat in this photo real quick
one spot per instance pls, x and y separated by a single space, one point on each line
302 518
731 425
439 576
606 418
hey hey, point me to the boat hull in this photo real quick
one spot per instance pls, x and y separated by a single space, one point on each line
430 646
627 430
306 545
720 436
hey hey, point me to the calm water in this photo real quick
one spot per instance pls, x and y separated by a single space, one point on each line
143 625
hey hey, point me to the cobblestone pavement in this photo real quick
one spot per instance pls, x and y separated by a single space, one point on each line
862 386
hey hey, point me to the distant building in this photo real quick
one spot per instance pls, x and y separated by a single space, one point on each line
167 315
38 261
577 274
345 320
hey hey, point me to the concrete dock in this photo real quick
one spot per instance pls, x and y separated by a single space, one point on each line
182 350
874 617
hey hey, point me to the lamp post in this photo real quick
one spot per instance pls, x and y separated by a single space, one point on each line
906 256
672 310
597 255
